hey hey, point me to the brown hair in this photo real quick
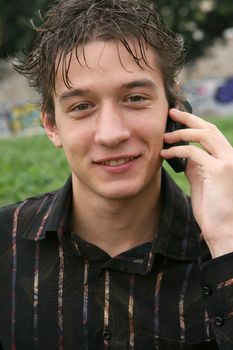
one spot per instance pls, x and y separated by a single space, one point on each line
71 23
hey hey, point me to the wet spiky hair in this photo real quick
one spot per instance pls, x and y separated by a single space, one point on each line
73 23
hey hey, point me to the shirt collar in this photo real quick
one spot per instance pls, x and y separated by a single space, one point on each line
52 214
177 236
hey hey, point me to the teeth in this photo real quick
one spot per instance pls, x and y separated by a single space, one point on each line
117 162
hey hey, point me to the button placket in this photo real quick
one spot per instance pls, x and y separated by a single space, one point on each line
207 290
219 321
106 333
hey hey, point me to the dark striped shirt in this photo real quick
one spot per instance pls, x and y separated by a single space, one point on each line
59 292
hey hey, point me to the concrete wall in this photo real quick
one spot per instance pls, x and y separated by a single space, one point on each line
216 63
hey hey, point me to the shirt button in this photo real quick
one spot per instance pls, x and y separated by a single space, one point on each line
219 321
207 290
106 333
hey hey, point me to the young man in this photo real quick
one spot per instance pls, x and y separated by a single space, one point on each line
119 258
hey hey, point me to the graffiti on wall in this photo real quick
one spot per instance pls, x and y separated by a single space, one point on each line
19 119
210 97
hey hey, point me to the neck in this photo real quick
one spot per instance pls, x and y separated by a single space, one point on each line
117 225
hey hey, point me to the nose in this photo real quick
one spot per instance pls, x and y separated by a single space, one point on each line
111 127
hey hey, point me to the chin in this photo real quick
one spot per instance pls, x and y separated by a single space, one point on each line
121 192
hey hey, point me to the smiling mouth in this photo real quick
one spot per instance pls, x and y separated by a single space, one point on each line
118 162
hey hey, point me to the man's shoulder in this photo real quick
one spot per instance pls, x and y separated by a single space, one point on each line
23 211
30 203
37 214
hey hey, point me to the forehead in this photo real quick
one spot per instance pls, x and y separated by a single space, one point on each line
106 60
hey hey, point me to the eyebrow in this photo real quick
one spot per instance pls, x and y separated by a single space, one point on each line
140 83
73 93
66 95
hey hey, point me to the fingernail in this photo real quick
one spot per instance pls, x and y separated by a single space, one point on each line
175 110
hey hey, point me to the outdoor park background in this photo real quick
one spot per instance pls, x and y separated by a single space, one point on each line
29 164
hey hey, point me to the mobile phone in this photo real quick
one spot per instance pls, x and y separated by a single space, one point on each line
177 164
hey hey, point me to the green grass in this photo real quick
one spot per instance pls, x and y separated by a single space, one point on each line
32 165
29 166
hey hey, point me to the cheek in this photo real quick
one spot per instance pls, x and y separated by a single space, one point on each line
153 132
76 141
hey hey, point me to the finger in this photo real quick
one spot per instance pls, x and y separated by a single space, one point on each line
214 142
190 120
192 152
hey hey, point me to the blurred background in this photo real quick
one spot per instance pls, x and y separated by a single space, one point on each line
29 164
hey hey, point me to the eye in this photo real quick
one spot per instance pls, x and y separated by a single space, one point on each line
82 107
81 110
137 101
136 98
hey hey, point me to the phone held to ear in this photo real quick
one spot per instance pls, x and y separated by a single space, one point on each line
177 164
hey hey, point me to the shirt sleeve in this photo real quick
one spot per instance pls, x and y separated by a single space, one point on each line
217 289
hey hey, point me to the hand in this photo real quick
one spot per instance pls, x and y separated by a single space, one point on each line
210 174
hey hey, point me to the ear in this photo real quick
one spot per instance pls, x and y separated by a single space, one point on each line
51 130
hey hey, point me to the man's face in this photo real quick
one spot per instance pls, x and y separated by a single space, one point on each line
111 122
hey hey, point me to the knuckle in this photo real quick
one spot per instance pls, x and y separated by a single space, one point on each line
190 148
212 127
